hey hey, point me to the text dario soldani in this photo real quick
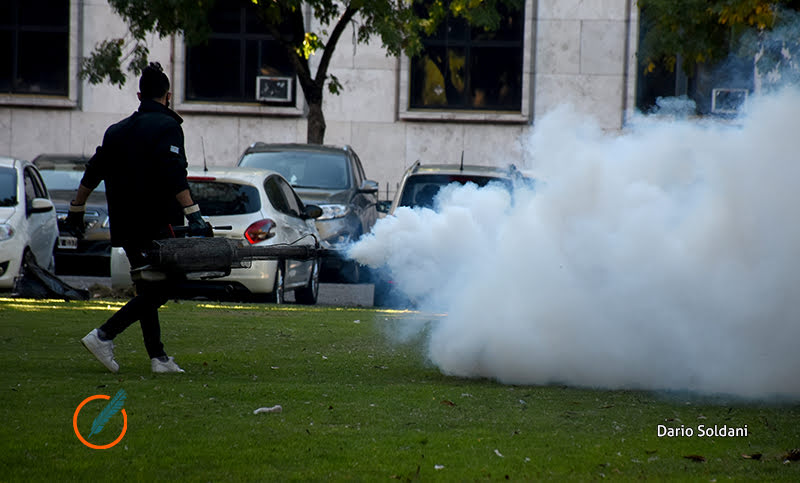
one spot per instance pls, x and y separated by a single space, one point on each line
702 431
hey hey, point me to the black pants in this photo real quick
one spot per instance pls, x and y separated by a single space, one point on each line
143 307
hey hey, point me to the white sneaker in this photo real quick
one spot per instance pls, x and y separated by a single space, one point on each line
102 349
169 366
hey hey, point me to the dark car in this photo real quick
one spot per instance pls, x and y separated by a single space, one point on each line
90 255
333 178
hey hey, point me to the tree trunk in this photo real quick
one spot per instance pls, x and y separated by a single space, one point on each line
316 124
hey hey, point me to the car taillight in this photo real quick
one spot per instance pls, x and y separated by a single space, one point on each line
260 231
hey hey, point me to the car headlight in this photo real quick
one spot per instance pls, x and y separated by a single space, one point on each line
6 231
330 212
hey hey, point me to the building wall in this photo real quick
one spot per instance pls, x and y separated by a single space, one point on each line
580 52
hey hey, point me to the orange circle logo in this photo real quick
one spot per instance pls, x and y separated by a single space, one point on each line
78 433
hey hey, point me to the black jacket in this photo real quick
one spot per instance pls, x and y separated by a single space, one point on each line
143 163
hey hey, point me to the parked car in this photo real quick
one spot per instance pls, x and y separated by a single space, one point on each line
421 183
91 254
27 220
418 189
333 178
262 209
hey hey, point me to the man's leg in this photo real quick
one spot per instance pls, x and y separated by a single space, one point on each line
157 295
143 307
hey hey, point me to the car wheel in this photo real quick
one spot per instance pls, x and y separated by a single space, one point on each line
278 290
308 295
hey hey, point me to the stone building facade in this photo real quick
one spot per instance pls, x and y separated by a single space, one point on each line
574 51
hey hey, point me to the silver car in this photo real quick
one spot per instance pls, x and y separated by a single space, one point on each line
333 178
418 189
260 208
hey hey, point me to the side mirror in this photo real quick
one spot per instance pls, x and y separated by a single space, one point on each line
368 186
41 205
384 206
312 211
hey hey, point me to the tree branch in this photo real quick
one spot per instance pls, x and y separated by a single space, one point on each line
330 45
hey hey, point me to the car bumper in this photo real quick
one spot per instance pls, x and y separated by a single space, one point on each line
10 258
89 258
339 230
10 272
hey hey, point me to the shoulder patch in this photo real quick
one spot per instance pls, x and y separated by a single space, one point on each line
175 149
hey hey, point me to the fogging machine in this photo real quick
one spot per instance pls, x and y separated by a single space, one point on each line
200 258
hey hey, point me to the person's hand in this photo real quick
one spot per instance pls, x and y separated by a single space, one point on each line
74 223
197 225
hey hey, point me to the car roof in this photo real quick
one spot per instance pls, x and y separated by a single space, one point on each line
466 169
260 147
253 176
61 157
11 162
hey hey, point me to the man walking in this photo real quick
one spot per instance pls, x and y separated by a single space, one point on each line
143 164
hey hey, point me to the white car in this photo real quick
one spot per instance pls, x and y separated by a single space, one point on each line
27 220
262 209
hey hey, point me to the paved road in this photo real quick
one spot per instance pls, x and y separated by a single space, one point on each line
338 294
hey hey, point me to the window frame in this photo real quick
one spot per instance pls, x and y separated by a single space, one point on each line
30 173
294 203
254 107
71 99
407 113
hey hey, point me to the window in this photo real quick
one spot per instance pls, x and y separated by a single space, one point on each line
420 190
238 51
294 204
34 47
718 89
274 191
224 199
8 186
466 68
34 188
303 169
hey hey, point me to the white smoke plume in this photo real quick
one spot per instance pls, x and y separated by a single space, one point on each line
666 257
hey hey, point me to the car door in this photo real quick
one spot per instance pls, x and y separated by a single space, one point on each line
293 228
365 202
42 227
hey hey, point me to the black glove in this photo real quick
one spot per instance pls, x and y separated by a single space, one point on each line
74 223
197 225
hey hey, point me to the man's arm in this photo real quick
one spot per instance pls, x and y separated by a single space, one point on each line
184 198
82 196
92 176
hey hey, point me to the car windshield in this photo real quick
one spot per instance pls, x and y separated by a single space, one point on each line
422 188
303 169
8 187
223 198
64 176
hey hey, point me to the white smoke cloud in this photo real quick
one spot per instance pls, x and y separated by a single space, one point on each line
667 257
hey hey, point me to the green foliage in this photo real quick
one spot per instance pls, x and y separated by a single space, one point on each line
356 407
334 86
702 31
104 62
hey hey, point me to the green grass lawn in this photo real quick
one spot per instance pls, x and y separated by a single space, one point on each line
355 407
